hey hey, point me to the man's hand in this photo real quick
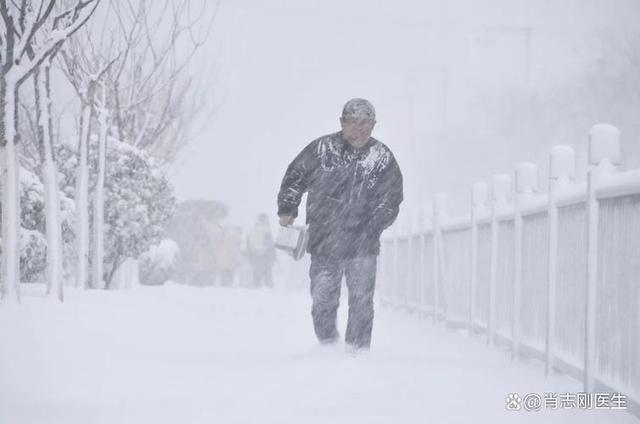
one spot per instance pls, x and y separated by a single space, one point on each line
286 220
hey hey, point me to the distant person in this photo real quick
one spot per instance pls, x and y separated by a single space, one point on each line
355 190
261 252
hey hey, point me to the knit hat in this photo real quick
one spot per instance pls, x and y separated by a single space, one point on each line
358 108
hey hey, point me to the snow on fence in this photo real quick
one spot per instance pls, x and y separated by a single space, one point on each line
551 274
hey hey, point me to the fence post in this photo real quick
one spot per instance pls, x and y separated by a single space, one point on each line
479 198
501 187
562 167
604 155
439 214
526 185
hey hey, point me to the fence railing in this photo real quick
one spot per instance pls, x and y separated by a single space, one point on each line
552 274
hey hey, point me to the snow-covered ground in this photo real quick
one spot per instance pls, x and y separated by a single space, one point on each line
178 354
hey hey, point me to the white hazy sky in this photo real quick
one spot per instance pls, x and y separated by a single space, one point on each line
284 68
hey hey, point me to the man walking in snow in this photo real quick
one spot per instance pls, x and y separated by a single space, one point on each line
354 190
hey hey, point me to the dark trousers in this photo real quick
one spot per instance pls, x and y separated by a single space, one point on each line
261 271
326 279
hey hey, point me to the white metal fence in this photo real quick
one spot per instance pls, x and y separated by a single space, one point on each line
552 274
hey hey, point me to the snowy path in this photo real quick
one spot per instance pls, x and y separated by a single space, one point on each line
185 355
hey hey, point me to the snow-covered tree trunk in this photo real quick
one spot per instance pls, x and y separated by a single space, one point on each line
98 200
10 277
50 180
22 25
82 198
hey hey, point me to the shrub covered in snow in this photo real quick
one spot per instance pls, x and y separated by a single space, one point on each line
139 202
33 243
33 256
158 263
138 199
33 246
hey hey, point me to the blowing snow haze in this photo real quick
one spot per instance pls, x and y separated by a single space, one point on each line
462 89
319 211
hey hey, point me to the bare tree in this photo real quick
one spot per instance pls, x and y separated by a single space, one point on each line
39 27
136 68
156 101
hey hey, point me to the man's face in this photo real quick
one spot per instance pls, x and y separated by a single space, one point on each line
357 130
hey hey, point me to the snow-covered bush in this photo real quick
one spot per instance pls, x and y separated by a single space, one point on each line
158 263
33 245
139 202
138 199
33 242
33 256
31 201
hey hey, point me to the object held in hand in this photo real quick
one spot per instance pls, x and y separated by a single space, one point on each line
293 240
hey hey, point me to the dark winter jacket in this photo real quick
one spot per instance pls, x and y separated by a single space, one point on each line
353 194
